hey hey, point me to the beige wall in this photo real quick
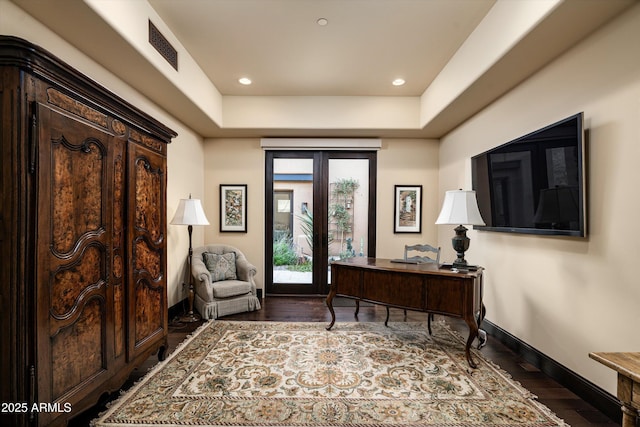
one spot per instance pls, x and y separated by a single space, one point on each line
241 161
236 161
406 162
185 153
567 297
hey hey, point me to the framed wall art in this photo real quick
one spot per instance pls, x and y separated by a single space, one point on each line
407 209
233 207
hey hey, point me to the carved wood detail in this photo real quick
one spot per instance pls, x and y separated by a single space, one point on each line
76 190
118 201
147 259
59 99
149 190
119 267
146 141
118 127
72 281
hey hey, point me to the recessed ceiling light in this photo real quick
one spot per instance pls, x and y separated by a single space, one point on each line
244 81
322 21
398 82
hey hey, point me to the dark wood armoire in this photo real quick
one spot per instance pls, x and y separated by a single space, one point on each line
83 297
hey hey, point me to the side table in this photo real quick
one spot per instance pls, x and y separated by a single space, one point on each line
627 365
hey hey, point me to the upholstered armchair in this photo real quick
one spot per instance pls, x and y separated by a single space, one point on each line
224 281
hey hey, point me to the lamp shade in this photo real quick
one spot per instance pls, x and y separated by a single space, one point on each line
558 205
190 212
460 207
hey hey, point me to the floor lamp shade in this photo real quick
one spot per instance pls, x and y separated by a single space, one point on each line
460 207
190 212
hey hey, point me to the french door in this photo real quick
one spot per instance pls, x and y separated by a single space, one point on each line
320 206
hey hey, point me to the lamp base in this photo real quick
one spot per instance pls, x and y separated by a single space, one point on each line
189 318
460 244
460 265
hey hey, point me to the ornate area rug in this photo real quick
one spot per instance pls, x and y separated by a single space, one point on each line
299 374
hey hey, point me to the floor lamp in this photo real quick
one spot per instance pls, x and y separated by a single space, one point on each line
190 213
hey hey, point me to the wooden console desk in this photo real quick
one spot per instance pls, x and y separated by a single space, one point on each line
419 287
627 365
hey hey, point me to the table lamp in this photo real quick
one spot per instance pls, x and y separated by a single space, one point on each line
558 207
190 213
460 207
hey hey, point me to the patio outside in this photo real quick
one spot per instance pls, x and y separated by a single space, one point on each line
293 218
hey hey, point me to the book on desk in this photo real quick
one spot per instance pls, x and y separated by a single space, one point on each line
409 261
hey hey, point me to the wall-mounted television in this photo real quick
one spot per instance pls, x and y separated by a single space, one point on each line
535 184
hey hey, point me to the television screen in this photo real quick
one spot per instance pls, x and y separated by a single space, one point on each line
535 184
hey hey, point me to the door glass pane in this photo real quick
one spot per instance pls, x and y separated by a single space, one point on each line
348 208
292 216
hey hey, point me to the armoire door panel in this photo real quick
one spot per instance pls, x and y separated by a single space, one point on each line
74 254
147 246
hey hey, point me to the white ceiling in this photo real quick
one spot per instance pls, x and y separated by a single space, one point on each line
279 45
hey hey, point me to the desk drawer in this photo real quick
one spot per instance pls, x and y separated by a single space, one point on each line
404 290
347 280
446 296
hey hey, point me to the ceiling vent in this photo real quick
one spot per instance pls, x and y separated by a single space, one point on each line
162 45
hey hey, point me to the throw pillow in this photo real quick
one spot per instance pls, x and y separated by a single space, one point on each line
221 266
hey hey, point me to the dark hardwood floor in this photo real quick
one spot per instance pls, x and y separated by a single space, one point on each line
568 406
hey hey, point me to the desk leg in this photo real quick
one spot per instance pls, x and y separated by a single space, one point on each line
629 416
473 334
625 394
482 334
332 293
